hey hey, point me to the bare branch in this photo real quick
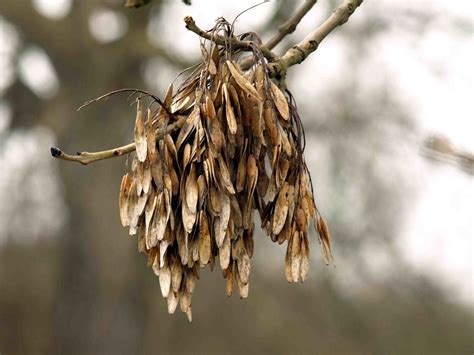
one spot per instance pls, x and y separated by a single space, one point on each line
302 50
87 157
243 45
290 25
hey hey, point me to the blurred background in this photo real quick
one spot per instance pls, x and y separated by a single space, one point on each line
387 106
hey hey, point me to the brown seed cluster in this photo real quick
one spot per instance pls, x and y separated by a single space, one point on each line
191 194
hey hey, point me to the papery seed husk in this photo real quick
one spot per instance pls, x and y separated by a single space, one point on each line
243 266
204 240
170 145
224 253
165 280
123 199
150 136
296 257
280 101
140 134
242 81
227 182
229 280
241 287
188 216
281 211
172 302
176 275
192 190
185 301
304 269
191 278
241 174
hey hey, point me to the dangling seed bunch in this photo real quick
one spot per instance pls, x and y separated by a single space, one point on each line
226 143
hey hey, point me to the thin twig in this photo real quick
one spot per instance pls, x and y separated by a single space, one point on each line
302 50
133 92
90 157
290 25
220 40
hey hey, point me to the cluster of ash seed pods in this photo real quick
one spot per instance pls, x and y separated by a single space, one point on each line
227 143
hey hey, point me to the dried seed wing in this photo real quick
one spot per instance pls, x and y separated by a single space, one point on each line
224 253
288 274
296 257
146 177
204 240
304 269
235 100
124 198
229 111
191 277
236 212
243 82
149 210
229 279
170 145
150 136
241 174
280 101
172 302
242 288
189 217
189 314
326 239
140 134
174 181
287 147
192 190
169 97
243 266
202 187
188 127
186 155
185 301
161 216
225 212
225 175
271 125
165 280
281 211
163 248
219 234
252 172
215 205
176 275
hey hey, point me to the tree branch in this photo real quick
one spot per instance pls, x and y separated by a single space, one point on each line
87 157
290 25
235 43
302 50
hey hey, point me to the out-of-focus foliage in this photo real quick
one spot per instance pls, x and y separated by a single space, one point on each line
86 290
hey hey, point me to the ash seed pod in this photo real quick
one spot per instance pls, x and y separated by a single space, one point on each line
140 134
